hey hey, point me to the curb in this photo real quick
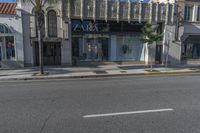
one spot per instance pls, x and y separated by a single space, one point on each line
106 75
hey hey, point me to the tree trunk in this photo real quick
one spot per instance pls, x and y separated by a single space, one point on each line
150 57
40 43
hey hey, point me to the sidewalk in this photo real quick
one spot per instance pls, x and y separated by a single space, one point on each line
99 71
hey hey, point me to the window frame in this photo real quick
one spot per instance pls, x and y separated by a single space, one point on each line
53 26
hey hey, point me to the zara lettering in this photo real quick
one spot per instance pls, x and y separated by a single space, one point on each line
85 27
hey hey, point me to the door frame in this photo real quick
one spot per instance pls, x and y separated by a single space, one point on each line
36 53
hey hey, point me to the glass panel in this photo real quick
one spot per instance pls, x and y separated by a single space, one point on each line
77 7
114 10
4 29
145 11
136 10
89 8
52 24
125 10
162 12
129 48
192 51
10 47
90 47
188 13
198 14
102 8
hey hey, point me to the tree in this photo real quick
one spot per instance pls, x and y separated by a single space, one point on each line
38 6
149 36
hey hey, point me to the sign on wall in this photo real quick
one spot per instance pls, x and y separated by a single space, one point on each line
89 26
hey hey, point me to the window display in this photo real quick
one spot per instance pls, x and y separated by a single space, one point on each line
129 48
192 51
90 48
10 49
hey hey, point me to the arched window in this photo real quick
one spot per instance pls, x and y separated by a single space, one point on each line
52 24
4 29
33 24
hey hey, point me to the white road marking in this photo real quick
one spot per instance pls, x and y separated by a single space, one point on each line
128 113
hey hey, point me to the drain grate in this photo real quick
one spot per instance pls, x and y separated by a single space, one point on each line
100 72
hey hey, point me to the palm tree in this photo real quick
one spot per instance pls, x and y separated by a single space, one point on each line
38 6
149 36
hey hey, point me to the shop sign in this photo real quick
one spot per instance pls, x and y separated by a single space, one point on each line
89 27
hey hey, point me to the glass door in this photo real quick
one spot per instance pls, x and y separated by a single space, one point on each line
90 47
52 54
93 47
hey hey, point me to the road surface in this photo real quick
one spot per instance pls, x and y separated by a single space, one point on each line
140 104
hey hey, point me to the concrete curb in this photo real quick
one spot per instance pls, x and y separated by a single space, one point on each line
106 75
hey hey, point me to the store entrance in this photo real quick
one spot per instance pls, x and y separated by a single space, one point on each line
89 48
158 58
51 53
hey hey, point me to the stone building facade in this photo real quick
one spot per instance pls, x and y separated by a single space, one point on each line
189 31
99 31
11 36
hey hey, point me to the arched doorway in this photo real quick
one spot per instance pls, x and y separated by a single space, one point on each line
7 43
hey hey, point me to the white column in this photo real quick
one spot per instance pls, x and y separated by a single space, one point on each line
82 12
118 2
106 10
46 25
173 11
167 13
140 11
66 53
113 48
157 11
194 16
19 4
150 13
4 49
165 32
59 27
94 10
129 11
69 9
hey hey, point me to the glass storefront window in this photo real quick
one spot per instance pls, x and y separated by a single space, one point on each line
111 41
130 48
192 51
90 48
10 48
7 48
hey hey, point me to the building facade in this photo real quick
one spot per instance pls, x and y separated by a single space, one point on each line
54 31
110 30
11 36
189 31
98 31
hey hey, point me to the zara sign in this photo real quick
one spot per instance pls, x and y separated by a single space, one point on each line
85 26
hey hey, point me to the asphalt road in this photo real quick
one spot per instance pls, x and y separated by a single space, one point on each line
151 104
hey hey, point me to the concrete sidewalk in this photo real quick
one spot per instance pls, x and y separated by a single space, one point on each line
98 71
